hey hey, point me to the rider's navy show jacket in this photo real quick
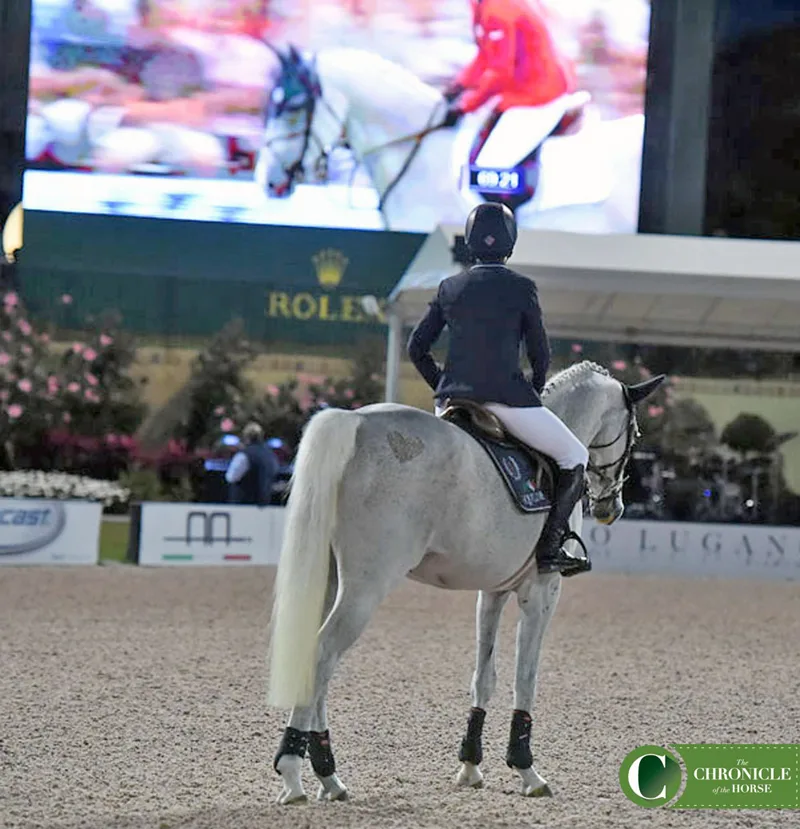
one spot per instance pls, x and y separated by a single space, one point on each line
488 310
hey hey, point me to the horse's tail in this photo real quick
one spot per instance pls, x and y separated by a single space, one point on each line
326 448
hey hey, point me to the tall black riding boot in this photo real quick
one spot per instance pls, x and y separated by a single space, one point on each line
550 556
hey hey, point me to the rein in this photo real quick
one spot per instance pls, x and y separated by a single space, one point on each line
614 482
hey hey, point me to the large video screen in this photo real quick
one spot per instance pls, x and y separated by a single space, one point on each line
364 114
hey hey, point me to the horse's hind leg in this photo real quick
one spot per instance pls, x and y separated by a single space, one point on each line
487 617
292 750
355 604
537 603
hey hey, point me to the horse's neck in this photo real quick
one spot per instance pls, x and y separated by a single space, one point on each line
386 102
580 407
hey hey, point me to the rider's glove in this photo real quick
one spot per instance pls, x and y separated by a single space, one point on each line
452 117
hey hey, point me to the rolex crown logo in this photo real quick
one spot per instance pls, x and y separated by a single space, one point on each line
330 265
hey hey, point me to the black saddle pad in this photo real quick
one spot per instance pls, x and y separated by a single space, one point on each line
528 476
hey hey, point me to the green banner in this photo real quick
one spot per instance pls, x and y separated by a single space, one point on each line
713 776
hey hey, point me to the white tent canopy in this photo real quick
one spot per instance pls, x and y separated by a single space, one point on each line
655 289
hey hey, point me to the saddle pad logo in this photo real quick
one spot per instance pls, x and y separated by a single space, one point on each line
512 468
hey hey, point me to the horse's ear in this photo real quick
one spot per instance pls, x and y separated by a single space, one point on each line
294 55
641 391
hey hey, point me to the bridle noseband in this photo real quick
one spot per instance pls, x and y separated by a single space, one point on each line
614 480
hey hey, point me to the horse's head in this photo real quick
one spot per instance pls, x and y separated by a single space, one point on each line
291 136
611 448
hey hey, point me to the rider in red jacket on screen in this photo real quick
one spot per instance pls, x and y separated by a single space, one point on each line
518 61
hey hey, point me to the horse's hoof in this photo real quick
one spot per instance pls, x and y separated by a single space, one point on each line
288 798
324 794
331 788
541 791
469 776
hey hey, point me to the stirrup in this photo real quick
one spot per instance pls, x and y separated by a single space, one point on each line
564 562
582 564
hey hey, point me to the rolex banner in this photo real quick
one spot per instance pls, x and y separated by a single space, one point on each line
289 285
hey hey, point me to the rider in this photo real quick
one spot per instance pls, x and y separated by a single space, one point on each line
488 310
517 60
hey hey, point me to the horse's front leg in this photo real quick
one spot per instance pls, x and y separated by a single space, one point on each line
537 601
488 612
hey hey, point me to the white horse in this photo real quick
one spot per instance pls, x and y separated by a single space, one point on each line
391 491
589 180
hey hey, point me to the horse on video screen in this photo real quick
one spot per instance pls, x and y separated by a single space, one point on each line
582 179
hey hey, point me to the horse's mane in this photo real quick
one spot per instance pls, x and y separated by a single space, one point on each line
395 79
573 375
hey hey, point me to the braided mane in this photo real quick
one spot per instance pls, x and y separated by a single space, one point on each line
573 375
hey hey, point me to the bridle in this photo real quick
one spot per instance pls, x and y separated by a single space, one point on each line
614 480
310 95
308 99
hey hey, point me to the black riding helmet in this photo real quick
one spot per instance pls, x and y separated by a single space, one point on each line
491 232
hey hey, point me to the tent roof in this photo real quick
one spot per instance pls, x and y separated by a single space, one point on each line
659 289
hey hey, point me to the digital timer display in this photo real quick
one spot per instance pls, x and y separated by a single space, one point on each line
495 181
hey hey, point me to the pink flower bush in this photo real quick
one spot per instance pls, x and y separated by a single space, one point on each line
91 379
26 350
25 327
655 411
66 299
15 411
227 425
7 336
91 396
90 355
273 390
5 359
25 386
77 348
106 341
219 411
73 388
11 300
619 365
577 348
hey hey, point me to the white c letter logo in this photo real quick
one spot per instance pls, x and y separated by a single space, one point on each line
633 776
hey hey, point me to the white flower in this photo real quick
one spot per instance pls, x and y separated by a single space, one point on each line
60 485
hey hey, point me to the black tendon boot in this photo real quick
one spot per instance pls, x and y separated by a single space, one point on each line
550 555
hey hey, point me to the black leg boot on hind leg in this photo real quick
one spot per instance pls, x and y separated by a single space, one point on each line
320 753
550 555
288 763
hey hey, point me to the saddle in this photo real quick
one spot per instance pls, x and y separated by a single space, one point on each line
528 475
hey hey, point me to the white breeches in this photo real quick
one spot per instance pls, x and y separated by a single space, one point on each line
519 131
542 430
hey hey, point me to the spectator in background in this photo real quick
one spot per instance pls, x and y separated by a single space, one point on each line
253 469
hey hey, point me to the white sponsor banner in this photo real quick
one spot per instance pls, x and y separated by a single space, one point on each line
206 534
726 550
39 531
